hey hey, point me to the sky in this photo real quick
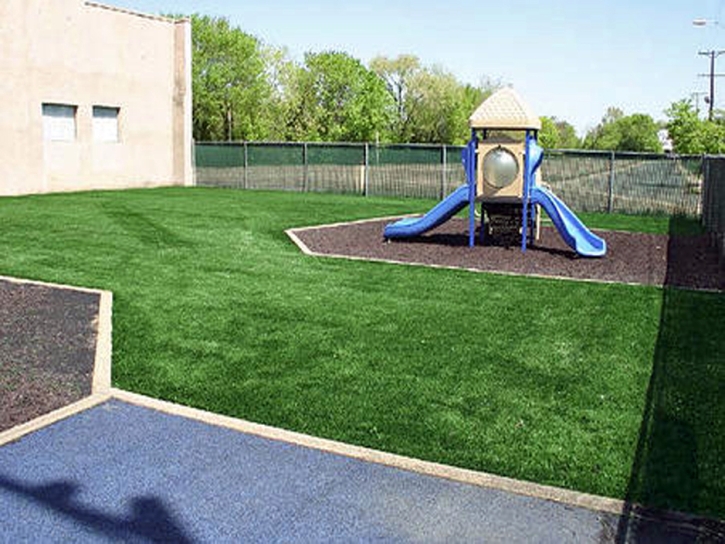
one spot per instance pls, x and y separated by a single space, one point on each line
570 59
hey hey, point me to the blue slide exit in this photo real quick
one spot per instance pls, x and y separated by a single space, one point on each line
572 230
441 212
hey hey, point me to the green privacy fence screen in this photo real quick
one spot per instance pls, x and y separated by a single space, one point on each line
713 202
597 181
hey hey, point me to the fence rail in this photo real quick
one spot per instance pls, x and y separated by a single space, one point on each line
596 181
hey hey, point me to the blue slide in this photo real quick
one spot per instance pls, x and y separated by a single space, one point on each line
441 212
572 230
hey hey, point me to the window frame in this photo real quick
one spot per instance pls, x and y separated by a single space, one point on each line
106 129
58 127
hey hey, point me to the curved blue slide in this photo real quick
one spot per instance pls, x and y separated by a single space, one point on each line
441 212
572 230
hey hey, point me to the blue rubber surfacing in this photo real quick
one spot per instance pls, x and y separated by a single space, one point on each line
119 472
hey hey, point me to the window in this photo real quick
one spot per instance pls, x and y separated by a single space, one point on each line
105 124
59 122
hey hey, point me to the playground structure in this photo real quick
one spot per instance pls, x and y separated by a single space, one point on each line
501 163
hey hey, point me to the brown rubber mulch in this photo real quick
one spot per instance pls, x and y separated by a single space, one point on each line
650 259
47 349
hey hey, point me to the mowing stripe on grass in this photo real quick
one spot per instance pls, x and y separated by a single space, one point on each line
532 379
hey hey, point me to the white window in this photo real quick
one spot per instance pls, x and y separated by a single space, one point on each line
105 124
59 122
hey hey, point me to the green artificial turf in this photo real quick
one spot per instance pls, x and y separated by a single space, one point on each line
653 224
607 389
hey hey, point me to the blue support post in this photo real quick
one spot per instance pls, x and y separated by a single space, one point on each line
525 195
533 155
469 162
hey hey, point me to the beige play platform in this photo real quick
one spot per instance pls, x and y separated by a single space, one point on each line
502 119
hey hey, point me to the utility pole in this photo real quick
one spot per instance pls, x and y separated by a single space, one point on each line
712 75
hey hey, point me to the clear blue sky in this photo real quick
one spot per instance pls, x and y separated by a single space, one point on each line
567 58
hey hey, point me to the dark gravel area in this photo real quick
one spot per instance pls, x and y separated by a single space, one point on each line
650 259
47 349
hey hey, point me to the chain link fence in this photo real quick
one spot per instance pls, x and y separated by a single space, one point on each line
713 202
633 183
422 171
588 181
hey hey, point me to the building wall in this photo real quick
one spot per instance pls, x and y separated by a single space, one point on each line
84 54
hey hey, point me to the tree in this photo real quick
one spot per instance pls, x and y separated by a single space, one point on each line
617 132
431 105
435 109
334 97
230 87
557 134
692 135
548 135
397 74
567 135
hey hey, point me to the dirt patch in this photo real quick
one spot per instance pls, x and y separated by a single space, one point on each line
47 349
649 259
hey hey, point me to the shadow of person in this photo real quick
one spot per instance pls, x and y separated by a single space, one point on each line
152 520
149 517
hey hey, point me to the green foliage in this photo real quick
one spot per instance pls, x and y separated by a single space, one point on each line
548 135
557 134
333 97
244 90
230 89
440 107
692 135
617 132
397 74
431 105
638 132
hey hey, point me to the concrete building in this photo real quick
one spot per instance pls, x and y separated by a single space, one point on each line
92 97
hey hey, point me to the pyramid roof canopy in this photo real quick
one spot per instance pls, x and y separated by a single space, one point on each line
504 109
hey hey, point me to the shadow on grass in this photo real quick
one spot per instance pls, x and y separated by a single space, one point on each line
142 227
149 519
678 464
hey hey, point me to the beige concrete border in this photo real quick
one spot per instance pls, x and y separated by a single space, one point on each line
19 431
54 285
292 234
104 345
481 479
101 382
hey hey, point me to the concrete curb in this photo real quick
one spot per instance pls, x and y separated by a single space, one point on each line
481 479
19 431
104 345
304 248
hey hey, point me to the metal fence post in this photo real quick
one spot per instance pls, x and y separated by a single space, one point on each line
610 190
366 168
246 165
305 172
444 164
